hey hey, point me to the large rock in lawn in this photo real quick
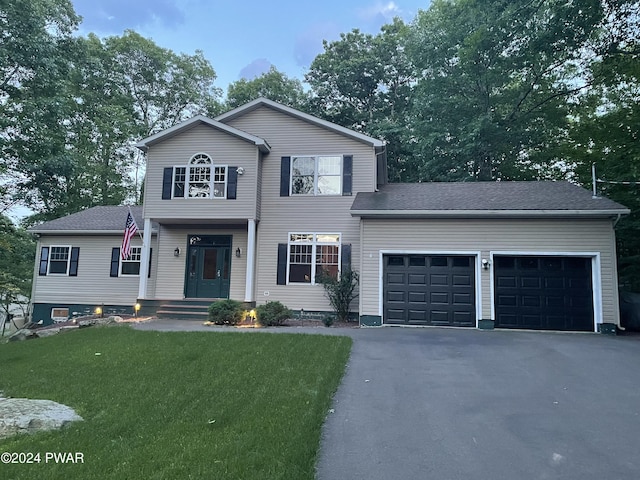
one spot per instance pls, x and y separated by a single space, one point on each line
23 334
23 415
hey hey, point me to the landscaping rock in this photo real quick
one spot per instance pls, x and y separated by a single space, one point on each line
23 415
87 322
47 332
23 334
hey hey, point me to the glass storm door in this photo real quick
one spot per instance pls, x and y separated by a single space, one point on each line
208 271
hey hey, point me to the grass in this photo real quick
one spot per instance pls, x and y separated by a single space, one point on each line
176 405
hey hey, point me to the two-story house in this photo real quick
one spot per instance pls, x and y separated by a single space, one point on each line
252 204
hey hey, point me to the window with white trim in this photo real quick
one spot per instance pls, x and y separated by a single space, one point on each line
59 260
310 254
316 175
200 179
131 265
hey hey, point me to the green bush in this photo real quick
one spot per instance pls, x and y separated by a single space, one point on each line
272 313
226 312
340 291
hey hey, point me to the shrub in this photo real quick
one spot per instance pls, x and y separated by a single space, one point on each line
226 312
340 291
272 313
328 320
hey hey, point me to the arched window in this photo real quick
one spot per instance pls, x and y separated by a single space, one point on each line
197 179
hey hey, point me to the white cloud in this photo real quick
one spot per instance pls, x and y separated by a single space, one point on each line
255 69
380 11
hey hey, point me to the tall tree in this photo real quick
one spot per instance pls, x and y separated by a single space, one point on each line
17 250
364 82
273 85
498 78
606 129
33 38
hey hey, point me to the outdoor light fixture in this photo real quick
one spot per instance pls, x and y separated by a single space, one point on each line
238 252
485 264
98 311
240 171
176 252
136 308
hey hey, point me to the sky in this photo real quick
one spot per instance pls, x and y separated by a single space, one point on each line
243 38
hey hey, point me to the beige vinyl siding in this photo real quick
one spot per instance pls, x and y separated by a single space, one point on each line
289 136
171 269
224 149
93 285
486 236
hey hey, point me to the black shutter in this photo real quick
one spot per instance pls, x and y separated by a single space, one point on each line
285 176
73 264
167 183
347 174
282 264
346 256
150 257
44 260
115 262
232 183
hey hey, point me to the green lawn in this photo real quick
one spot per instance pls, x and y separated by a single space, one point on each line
201 405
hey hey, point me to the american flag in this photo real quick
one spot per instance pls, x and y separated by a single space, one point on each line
130 229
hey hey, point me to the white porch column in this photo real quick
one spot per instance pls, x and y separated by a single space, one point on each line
144 259
251 260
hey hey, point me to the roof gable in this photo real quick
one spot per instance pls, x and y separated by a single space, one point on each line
145 143
264 102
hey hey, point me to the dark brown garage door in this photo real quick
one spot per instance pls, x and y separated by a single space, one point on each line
543 293
429 290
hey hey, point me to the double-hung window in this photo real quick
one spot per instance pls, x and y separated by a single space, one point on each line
312 254
59 260
131 264
200 179
316 175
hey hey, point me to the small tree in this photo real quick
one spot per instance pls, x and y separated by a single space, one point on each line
340 291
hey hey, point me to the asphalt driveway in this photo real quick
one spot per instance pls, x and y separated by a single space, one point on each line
466 404
445 404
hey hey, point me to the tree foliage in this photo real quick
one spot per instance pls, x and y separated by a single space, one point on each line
17 250
273 85
364 82
496 85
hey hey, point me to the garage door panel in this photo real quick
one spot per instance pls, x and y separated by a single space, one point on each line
395 296
437 298
530 301
462 299
506 282
552 293
439 290
462 280
417 279
439 279
395 279
530 282
417 297
417 315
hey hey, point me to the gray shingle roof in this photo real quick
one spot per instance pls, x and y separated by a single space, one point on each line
482 197
102 219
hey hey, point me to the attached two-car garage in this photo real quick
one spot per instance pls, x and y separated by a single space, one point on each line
529 291
519 255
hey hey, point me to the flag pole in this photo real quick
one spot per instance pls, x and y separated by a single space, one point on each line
134 221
